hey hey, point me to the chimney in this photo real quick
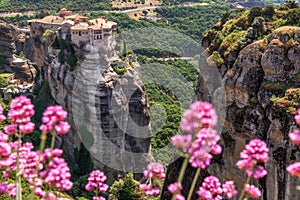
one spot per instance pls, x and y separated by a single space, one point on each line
96 21
106 20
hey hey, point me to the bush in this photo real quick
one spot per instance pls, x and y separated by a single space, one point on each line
126 189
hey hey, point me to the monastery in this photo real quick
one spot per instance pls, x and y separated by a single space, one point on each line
79 27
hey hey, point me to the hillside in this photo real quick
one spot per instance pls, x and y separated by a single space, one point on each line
53 5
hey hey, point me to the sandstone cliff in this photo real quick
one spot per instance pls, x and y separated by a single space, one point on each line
104 107
261 78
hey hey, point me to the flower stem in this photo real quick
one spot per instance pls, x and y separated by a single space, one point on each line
18 173
53 140
181 174
43 142
194 183
243 192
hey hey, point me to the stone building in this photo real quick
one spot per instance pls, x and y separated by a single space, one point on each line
79 27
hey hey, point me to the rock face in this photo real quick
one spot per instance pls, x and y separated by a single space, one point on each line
255 83
8 35
105 107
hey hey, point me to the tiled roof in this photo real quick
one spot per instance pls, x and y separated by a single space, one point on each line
76 16
80 26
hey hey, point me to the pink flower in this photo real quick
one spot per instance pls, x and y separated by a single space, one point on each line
21 110
152 192
255 151
27 127
257 173
297 117
179 197
96 181
154 169
210 189
294 169
3 187
199 115
295 136
3 137
229 189
5 150
2 117
62 128
53 118
216 149
175 187
11 129
182 141
252 191
204 144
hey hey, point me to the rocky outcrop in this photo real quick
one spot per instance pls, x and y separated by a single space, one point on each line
255 83
8 36
105 108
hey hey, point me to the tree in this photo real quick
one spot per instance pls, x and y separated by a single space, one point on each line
254 12
268 12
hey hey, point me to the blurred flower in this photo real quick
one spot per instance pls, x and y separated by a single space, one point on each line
182 141
154 169
2 117
175 187
11 129
294 169
210 189
257 173
54 117
204 144
295 137
255 151
252 191
199 115
21 110
229 189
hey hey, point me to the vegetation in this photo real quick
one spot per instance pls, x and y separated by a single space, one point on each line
54 5
126 189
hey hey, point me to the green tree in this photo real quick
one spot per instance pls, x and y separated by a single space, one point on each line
268 12
254 12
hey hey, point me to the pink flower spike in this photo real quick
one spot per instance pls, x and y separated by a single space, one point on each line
252 191
11 129
175 187
294 169
210 189
21 110
182 141
216 149
62 128
257 173
2 117
295 137
229 189
96 181
154 169
27 128
3 187
199 115
179 197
